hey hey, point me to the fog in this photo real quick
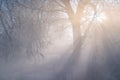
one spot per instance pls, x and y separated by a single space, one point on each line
37 43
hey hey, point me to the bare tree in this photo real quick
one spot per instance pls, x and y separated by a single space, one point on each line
75 17
22 28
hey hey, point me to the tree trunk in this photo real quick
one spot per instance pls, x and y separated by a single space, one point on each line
77 39
75 22
76 33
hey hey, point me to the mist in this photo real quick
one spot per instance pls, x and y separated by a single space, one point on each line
59 40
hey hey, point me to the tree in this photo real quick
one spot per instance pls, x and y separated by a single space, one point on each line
75 17
22 29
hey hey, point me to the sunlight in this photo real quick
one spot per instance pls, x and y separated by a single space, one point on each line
91 17
100 17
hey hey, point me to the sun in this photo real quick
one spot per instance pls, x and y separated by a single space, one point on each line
91 15
99 17
92 18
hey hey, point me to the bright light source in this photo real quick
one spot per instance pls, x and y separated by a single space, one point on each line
99 17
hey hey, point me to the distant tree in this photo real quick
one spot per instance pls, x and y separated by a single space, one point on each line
22 29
